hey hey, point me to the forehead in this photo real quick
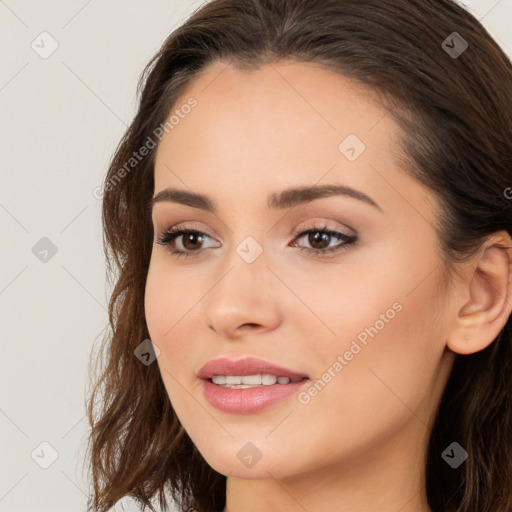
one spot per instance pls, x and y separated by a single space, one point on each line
281 125
282 103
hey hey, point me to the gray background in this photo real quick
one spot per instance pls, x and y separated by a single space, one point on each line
61 119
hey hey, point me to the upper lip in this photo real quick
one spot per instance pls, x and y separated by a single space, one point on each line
246 366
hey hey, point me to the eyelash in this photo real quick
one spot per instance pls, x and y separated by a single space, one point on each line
168 237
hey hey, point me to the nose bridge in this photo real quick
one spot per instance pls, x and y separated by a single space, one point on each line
244 268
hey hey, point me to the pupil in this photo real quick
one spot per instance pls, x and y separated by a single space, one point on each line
195 237
323 239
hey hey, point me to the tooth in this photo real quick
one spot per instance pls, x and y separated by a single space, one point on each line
251 379
231 379
268 380
246 381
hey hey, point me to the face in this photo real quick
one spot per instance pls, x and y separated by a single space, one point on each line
340 288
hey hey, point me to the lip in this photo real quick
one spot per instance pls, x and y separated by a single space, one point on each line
250 400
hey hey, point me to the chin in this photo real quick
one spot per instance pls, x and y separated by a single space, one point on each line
246 463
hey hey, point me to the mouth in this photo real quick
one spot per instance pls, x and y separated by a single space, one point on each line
247 372
248 385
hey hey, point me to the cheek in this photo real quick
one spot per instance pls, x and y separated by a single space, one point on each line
384 356
342 303
379 321
171 307
166 299
165 303
385 385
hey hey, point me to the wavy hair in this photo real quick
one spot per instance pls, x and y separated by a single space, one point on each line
456 116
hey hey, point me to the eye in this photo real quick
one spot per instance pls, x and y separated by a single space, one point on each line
191 243
188 242
319 238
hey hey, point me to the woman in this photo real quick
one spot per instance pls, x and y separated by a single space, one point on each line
310 221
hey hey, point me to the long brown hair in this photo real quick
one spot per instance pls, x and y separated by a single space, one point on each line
454 104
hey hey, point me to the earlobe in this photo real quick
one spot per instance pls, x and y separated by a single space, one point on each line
487 303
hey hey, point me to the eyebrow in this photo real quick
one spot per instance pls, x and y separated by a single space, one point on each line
278 200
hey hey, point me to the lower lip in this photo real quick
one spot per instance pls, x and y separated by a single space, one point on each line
246 401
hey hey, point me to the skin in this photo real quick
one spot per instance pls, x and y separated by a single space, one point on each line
359 444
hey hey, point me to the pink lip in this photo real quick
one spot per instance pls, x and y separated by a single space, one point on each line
246 401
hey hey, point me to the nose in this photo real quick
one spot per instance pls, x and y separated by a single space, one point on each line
244 299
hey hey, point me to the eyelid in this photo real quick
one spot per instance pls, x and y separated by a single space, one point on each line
182 226
323 224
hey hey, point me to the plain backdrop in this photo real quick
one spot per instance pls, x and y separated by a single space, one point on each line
68 75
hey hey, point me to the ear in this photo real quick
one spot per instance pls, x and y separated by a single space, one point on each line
486 297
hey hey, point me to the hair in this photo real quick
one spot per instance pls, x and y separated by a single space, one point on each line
456 118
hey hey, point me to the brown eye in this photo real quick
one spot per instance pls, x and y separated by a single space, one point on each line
319 239
183 241
319 242
192 241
